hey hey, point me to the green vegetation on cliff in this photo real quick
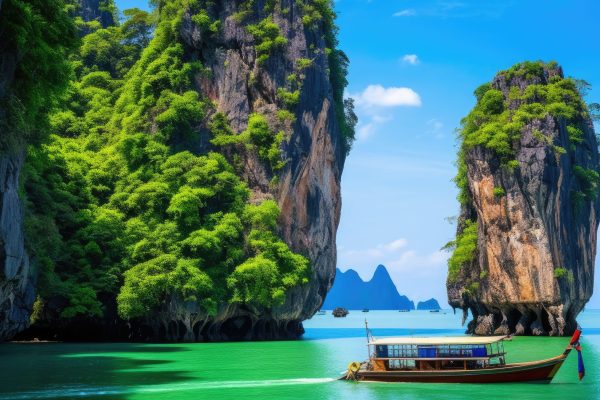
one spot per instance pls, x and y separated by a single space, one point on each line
35 36
526 98
464 248
497 122
124 213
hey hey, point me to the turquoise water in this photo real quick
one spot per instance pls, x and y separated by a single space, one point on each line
304 369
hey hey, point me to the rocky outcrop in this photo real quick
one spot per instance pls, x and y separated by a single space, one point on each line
308 187
97 10
16 289
532 270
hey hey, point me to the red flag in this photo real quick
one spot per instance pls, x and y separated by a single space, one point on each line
576 336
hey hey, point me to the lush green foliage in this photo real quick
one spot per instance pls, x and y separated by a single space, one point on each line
37 35
563 273
465 246
268 38
258 135
499 192
120 208
560 272
494 125
589 181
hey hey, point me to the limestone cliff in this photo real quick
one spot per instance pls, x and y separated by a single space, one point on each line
308 187
193 92
34 40
16 289
524 255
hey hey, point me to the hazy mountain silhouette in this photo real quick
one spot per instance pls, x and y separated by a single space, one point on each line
430 304
380 293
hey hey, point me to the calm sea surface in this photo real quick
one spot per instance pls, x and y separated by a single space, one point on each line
304 369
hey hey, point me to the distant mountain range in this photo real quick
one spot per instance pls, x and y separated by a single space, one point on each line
380 293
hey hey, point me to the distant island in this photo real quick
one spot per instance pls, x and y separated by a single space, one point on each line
430 304
351 292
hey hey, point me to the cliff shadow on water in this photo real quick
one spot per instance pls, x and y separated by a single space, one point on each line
110 371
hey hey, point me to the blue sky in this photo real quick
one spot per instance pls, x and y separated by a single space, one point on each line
414 66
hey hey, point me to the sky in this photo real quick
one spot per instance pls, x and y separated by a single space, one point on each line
413 68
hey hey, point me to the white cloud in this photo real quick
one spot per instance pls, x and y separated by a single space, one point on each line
409 12
372 105
379 96
366 130
396 244
411 261
435 128
411 59
375 253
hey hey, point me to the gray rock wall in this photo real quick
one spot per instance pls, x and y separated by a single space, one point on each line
17 291
91 10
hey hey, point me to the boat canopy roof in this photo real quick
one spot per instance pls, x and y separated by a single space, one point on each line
438 340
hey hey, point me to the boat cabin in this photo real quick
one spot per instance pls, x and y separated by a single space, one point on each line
436 353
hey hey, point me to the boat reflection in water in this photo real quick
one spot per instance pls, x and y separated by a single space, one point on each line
461 359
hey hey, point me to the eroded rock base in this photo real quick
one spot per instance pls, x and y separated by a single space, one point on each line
521 319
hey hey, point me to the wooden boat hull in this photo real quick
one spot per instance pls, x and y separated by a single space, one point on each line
538 371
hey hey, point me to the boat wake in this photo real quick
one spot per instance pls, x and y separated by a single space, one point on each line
75 392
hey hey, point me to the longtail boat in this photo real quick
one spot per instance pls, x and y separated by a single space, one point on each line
461 359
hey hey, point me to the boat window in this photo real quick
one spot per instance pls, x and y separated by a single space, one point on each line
401 364
396 351
462 351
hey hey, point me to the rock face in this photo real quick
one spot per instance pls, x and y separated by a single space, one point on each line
532 270
308 188
99 10
351 292
17 276
16 288
17 291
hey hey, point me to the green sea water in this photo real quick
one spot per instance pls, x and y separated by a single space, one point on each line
303 369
